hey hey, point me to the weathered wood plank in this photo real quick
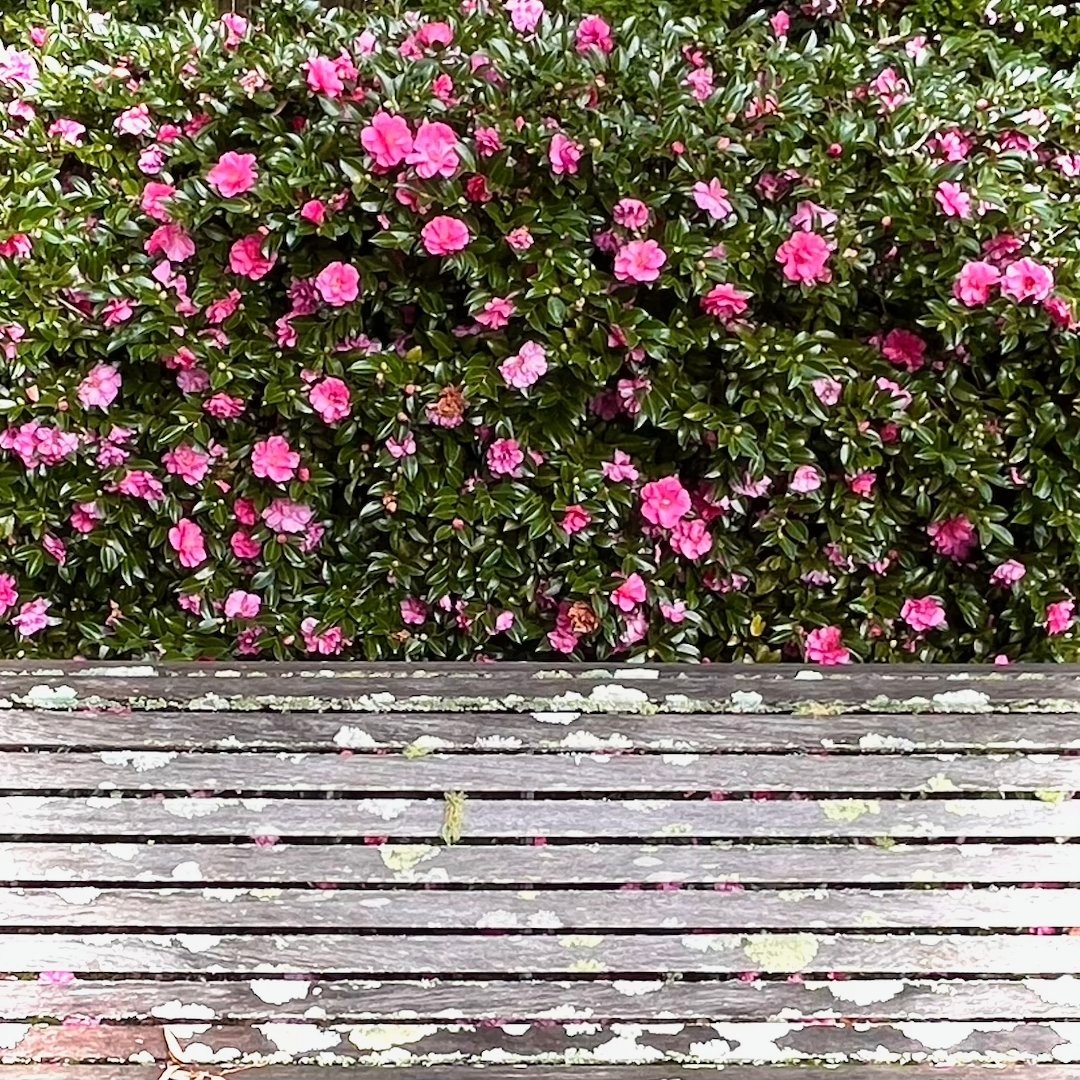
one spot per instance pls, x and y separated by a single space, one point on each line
572 864
624 910
266 998
148 771
668 1071
694 732
580 1044
488 954
563 818
488 685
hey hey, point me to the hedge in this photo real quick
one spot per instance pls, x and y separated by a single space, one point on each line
524 333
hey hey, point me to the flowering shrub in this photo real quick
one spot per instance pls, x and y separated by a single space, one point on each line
525 333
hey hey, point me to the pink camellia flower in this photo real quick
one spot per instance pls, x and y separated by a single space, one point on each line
700 81
154 197
497 313
187 462
100 387
244 546
827 390
975 282
525 367
247 259
631 214
780 24
639 261
954 538
172 241
242 605
331 399
338 284
862 484
401 448
564 155
55 547
323 78
85 517
488 141
314 212
525 15
69 131
9 594
1059 617
413 612
286 516
665 502
32 617
674 612
186 539
116 311
619 468
234 174
151 160
574 519
520 239
826 646
1060 311
134 121
593 33
387 139
725 302
224 406
691 539
713 199
274 459
444 235
803 256
892 90
924 613
805 480
18 68
235 27
1027 279
953 200
904 349
222 309
504 621
504 457
1008 573
434 151
327 643
629 594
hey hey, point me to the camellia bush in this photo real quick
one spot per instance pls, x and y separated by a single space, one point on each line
514 333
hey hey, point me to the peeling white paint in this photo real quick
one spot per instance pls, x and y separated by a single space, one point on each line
179 1010
198 943
497 920
498 742
634 988
278 991
354 738
191 808
141 671
1069 1050
874 741
188 1031
79 895
615 697
187 871
388 1036
680 760
806 675
127 852
757 1041
962 701
1061 991
256 806
12 1034
139 760
383 809
50 697
586 741
863 992
746 701
556 717
299 1038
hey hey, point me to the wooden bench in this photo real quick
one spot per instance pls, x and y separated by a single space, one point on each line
624 872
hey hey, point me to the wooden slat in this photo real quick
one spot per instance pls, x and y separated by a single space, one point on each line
581 1044
571 864
670 1071
277 685
403 909
266 997
693 732
563 818
429 954
48 771
706 1044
